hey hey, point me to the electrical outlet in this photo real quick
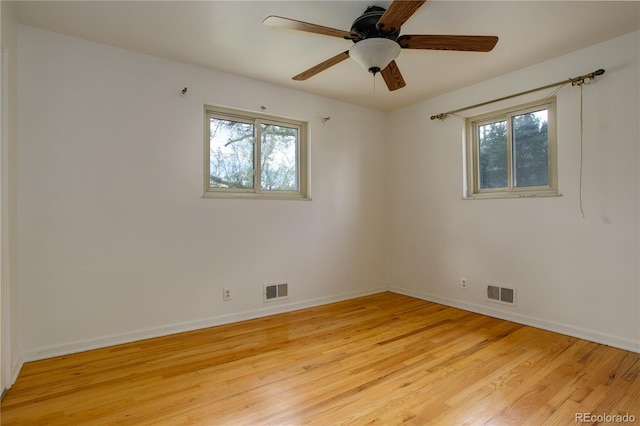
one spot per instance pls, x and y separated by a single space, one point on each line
463 282
226 294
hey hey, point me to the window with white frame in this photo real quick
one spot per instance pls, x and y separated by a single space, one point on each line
512 153
254 155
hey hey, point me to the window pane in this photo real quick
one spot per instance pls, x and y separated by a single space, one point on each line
492 147
531 149
279 153
230 154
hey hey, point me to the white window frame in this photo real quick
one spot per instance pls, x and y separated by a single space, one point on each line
472 172
211 111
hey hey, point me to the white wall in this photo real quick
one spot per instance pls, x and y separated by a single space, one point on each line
10 353
116 242
574 275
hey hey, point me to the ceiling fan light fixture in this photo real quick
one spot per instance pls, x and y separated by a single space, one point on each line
374 54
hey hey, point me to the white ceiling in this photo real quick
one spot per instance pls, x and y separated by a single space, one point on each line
229 36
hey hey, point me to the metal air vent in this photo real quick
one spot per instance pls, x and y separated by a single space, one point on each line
276 292
500 294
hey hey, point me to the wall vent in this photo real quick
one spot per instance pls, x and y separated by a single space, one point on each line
274 292
501 294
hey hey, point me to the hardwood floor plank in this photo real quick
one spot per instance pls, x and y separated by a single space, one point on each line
385 358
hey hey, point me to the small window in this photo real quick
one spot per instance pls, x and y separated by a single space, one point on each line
512 153
254 155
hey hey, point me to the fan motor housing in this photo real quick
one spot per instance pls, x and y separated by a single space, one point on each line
365 26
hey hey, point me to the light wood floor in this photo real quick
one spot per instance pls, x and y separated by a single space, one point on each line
385 359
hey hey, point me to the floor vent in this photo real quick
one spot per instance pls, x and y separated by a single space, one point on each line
276 292
501 294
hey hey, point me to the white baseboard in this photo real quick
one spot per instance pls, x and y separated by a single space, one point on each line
116 339
13 376
15 371
509 315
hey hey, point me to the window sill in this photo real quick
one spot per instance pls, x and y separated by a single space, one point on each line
254 196
502 195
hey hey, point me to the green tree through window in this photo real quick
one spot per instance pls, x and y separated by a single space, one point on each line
531 149
513 151
231 154
492 141
278 158
255 154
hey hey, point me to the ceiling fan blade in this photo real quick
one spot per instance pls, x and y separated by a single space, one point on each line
397 14
322 66
448 42
393 77
292 24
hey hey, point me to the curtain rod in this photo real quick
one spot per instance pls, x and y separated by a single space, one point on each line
577 81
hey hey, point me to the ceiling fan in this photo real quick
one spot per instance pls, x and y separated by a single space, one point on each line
377 40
